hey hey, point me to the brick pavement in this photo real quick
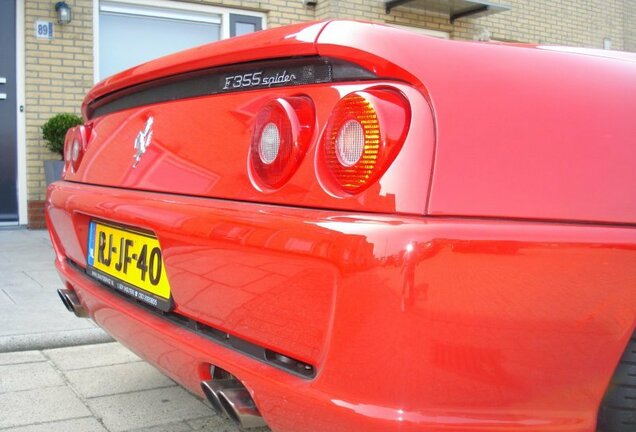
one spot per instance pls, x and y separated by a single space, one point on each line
96 388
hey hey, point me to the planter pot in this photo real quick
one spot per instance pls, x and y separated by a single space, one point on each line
53 170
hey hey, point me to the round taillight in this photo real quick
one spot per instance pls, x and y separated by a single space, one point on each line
68 144
74 147
363 136
282 133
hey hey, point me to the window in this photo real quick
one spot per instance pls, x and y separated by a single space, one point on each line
243 24
131 32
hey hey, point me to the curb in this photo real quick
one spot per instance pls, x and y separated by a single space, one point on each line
42 341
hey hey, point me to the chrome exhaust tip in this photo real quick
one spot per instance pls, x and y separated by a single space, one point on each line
240 407
230 398
211 388
72 303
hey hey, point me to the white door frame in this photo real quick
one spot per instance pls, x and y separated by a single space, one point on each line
20 108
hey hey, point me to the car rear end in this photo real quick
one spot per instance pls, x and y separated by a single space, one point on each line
301 218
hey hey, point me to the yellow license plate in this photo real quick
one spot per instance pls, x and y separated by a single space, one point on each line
129 261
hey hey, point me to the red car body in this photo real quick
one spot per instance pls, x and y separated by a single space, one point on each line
486 281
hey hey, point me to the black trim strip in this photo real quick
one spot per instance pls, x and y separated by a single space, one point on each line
257 352
114 283
226 79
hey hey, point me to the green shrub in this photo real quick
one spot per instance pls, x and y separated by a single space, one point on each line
54 131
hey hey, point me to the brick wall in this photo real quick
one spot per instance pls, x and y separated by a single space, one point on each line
60 71
629 25
577 23
58 74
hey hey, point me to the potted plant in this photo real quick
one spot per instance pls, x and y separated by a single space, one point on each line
54 132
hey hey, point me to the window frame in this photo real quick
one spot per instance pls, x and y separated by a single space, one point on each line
439 34
244 18
179 8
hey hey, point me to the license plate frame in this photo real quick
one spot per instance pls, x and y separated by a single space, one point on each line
105 271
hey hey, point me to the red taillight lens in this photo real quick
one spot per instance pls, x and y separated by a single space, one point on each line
282 132
363 135
74 147
67 145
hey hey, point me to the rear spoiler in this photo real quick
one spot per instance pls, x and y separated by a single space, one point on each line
290 41
207 64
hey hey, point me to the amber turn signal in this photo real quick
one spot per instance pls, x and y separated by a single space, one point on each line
363 136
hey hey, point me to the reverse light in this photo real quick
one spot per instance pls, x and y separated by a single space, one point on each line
350 143
363 136
76 149
269 143
282 133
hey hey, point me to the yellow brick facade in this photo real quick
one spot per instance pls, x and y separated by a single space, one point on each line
58 72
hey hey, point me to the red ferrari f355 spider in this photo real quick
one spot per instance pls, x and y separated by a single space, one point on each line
342 226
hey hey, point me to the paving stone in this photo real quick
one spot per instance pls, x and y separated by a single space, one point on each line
31 294
26 261
147 408
171 427
75 425
214 423
114 379
217 423
17 278
21 357
6 302
39 406
40 316
90 356
31 314
28 376
49 280
67 338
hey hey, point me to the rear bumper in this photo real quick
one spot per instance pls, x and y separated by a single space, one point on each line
411 323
